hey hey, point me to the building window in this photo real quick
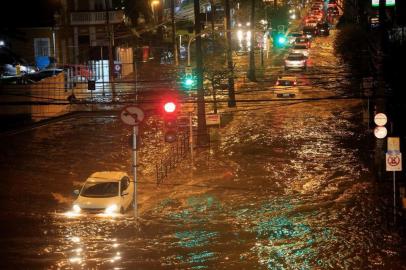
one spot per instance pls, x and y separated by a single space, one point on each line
99 5
42 47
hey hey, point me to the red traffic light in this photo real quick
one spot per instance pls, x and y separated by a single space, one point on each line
170 107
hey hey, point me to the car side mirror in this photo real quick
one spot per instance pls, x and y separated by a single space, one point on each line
76 192
124 193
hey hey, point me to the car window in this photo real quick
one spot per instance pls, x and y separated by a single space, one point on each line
295 57
300 47
124 183
285 83
100 189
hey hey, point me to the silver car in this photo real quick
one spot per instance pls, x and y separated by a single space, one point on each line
300 48
295 61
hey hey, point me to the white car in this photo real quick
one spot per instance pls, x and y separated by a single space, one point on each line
295 60
286 86
108 193
293 36
300 48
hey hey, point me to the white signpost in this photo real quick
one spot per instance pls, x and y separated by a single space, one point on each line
132 116
394 164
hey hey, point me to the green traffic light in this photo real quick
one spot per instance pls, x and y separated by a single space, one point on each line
281 40
189 82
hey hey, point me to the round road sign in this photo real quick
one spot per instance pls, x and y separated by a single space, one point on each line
131 115
380 119
380 132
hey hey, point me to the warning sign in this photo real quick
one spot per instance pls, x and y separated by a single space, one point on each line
393 162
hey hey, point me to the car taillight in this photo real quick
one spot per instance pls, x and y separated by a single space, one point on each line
277 83
294 83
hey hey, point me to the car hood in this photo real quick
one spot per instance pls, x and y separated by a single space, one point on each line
96 203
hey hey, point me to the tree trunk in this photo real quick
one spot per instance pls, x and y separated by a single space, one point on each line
202 135
231 91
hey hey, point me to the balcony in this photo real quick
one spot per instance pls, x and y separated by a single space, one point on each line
96 17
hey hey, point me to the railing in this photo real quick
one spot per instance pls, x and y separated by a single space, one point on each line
96 17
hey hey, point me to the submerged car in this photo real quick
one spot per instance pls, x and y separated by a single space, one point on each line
108 192
286 86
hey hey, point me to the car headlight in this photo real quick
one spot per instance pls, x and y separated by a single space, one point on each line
76 208
111 209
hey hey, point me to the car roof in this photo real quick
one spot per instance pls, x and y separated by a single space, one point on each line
107 176
287 78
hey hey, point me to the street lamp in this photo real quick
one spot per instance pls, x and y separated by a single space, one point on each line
153 4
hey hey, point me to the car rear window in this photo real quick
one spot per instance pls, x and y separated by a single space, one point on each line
300 47
285 83
295 57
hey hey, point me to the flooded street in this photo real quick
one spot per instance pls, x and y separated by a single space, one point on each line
284 185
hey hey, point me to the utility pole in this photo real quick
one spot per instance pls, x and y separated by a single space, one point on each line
110 48
202 136
175 46
251 71
231 91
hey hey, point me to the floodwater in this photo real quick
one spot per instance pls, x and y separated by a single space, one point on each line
284 185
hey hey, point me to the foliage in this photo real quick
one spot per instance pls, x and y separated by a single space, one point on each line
135 10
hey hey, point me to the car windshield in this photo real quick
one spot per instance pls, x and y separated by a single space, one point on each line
285 83
100 189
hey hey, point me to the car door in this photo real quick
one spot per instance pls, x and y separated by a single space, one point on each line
125 192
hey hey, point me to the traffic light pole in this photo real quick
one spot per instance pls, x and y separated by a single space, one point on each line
191 138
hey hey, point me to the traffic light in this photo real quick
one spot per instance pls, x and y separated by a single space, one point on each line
170 120
279 40
188 79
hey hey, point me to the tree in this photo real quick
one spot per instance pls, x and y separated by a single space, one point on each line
139 12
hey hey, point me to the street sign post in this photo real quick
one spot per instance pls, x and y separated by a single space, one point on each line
394 164
132 116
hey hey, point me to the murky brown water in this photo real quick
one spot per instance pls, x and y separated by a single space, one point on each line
283 186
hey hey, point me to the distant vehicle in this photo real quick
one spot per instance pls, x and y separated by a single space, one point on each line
286 86
292 37
333 11
312 22
296 60
303 40
108 193
323 29
300 48
332 3
11 62
310 31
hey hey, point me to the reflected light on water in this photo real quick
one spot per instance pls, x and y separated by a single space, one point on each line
77 260
75 239
116 258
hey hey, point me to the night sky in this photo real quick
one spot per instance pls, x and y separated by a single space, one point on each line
27 13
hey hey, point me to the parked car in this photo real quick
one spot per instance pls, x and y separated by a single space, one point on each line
107 192
295 60
286 86
323 29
